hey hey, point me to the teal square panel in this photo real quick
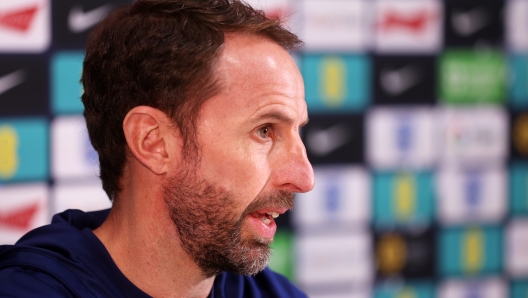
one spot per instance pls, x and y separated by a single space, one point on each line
403 198
519 289
469 251
519 188
66 89
519 81
336 83
23 149
410 290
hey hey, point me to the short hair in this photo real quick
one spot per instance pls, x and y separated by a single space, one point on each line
160 53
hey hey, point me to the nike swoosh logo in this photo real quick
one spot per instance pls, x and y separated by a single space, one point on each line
10 81
321 142
79 20
395 82
469 22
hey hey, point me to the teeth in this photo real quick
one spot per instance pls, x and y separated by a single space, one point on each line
273 214
266 221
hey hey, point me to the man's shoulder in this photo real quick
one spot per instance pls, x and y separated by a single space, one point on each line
18 281
65 259
265 284
26 271
48 259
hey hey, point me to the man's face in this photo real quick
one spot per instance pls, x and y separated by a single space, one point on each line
251 161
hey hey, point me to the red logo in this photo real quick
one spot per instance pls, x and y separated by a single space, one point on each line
415 23
277 13
19 20
19 218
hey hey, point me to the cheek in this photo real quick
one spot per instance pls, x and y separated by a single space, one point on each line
241 169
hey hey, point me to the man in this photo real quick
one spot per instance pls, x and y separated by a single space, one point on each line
194 108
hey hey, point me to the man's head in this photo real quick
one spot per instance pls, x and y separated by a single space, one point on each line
215 119
159 53
252 159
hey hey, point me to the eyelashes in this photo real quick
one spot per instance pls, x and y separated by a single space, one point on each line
264 131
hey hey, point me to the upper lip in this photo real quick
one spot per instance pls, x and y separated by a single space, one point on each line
280 210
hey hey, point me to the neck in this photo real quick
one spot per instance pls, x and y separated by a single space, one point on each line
144 243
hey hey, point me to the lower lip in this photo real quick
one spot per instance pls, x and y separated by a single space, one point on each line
261 229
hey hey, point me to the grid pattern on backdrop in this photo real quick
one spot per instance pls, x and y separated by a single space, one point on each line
418 135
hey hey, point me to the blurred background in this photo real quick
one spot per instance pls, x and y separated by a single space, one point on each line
418 135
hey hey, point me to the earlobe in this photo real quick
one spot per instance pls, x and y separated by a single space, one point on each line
147 137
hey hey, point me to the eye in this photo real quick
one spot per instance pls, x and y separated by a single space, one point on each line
264 132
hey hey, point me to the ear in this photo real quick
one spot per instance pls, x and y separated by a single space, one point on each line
149 134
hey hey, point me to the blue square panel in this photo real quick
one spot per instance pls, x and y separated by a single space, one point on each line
519 188
519 81
336 83
23 149
470 251
397 290
403 198
66 89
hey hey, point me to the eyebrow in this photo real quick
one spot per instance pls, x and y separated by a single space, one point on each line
277 116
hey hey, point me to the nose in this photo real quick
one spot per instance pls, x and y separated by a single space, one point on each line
293 169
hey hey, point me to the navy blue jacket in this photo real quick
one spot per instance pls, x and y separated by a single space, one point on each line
65 259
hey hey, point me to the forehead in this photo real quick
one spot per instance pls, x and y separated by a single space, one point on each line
255 73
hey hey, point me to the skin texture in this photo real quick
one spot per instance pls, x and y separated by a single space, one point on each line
211 231
250 151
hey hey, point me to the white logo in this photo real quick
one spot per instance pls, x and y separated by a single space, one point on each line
516 19
469 22
516 246
79 20
482 288
401 138
328 258
69 142
474 136
335 25
395 82
341 195
323 141
12 80
471 196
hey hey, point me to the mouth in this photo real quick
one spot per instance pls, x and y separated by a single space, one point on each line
263 223
268 217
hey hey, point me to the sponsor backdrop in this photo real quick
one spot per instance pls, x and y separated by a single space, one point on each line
418 136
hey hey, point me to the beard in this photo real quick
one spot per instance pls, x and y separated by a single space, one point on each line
210 230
